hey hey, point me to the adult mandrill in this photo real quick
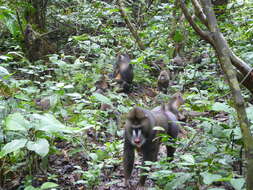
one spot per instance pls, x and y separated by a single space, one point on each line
123 72
139 134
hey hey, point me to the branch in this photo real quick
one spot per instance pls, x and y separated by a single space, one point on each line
20 24
239 63
236 61
199 12
245 81
44 6
176 19
130 26
210 16
45 35
203 34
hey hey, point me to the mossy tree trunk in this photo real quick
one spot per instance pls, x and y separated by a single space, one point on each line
35 13
213 35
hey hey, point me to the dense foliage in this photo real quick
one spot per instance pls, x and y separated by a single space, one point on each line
53 132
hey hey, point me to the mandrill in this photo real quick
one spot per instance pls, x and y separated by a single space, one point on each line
163 81
140 135
172 106
123 72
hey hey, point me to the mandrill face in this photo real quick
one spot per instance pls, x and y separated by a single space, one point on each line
138 126
137 137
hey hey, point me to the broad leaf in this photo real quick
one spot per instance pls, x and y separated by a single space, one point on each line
188 158
217 106
178 37
178 181
48 185
41 147
16 122
3 72
101 98
209 178
4 57
49 123
237 183
13 146
249 111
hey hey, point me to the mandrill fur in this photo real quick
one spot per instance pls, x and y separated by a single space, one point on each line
139 134
163 81
123 72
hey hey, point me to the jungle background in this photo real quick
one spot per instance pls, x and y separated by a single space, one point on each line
62 117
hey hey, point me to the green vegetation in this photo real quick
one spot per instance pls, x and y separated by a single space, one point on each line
54 133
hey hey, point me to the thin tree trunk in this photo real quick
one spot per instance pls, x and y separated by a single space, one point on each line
37 14
131 27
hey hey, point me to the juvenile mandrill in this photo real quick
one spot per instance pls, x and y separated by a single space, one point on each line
172 106
163 81
139 134
123 72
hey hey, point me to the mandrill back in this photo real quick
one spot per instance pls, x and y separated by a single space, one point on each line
168 121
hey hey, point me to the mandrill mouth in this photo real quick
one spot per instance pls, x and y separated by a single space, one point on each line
138 143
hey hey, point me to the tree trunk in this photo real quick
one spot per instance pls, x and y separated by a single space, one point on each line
131 27
226 58
36 14
244 68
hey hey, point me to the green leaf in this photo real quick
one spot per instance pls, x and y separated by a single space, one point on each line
101 98
13 146
210 149
3 71
249 111
209 178
113 10
237 183
4 57
188 158
49 123
22 96
82 37
178 181
10 20
41 147
74 95
101 155
178 37
16 122
217 106
237 133
93 156
48 185
158 128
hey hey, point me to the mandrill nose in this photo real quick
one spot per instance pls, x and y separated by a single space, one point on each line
137 140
